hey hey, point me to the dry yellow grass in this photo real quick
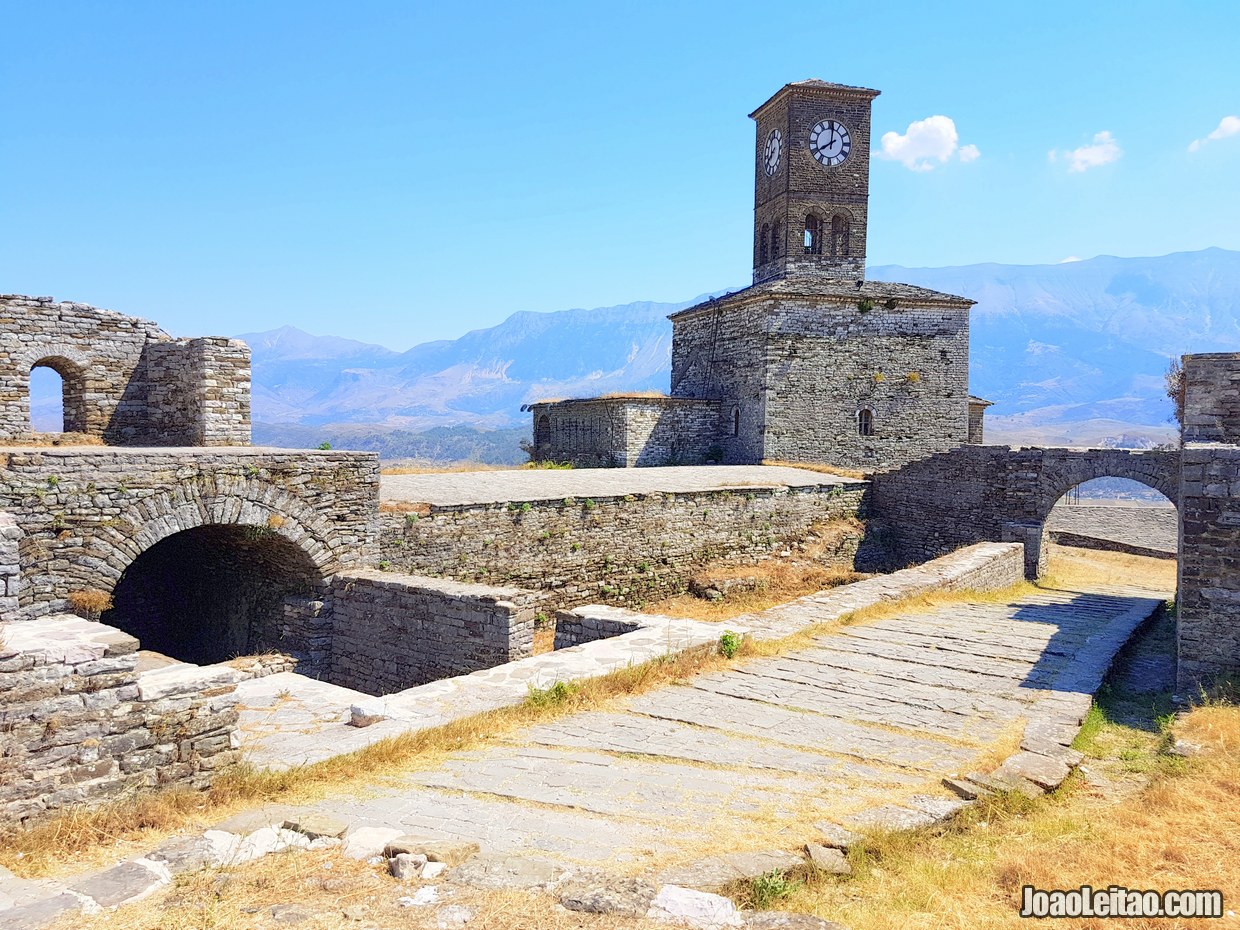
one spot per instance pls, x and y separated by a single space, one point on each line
821 469
56 439
776 583
1082 569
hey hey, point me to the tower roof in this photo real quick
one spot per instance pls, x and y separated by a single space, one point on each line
816 84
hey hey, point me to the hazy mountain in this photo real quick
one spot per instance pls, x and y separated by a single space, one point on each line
1069 353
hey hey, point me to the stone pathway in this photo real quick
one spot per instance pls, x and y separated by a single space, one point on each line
866 718
486 487
717 776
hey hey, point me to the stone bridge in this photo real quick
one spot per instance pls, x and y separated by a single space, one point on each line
1001 493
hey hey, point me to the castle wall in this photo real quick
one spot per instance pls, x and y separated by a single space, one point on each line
82 724
393 631
908 367
618 550
996 493
86 513
719 354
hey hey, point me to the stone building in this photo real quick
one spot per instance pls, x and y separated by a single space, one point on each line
812 362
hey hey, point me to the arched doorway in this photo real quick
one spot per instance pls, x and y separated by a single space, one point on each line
57 395
211 593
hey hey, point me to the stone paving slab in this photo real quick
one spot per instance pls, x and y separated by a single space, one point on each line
492 487
632 733
791 727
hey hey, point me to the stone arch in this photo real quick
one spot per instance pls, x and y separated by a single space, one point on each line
841 223
221 501
814 234
1063 470
74 367
1059 474
764 236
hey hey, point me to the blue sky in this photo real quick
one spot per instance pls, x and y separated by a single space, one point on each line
399 172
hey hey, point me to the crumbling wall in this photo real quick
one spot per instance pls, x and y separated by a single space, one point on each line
126 381
623 432
81 725
391 632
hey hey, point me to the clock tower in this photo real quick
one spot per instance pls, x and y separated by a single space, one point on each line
812 181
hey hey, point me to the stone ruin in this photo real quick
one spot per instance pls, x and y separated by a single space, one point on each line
150 559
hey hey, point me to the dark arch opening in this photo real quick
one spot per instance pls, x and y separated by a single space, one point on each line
57 396
763 236
865 422
813 235
211 593
736 421
839 236
777 240
542 431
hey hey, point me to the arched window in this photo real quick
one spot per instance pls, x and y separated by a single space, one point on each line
839 236
542 431
736 421
865 422
813 235
777 239
57 396
762 239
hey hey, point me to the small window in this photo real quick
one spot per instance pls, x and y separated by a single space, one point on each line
865 422
762 240
813 235
777 239
736 421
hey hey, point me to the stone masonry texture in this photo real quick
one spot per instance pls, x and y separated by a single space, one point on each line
87 513
81 724
126 382
611 549
391 631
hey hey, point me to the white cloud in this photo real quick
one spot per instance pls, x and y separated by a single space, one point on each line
1227 126
1070 258
1102 151
926 143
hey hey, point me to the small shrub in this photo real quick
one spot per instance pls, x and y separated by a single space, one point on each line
643 566
575 547
771 887
879 377
384 565
411 518
913 377
865 305
559 693
729 644
253 471
275 521
325 446
53 481
589 504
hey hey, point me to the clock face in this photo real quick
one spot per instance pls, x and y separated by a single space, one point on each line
773 152
830 142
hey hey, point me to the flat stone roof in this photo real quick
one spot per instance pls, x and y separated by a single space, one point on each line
494 487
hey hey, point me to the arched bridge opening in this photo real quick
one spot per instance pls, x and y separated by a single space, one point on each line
213 592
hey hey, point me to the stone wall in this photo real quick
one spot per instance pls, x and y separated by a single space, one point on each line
1116 527
86 513
10 567
998 493
620 432
1208 631
612 549
126 381
1212 397
81 724
391 632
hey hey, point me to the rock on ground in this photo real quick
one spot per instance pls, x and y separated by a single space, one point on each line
699 909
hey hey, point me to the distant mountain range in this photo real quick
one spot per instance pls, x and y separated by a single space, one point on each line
1071 354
